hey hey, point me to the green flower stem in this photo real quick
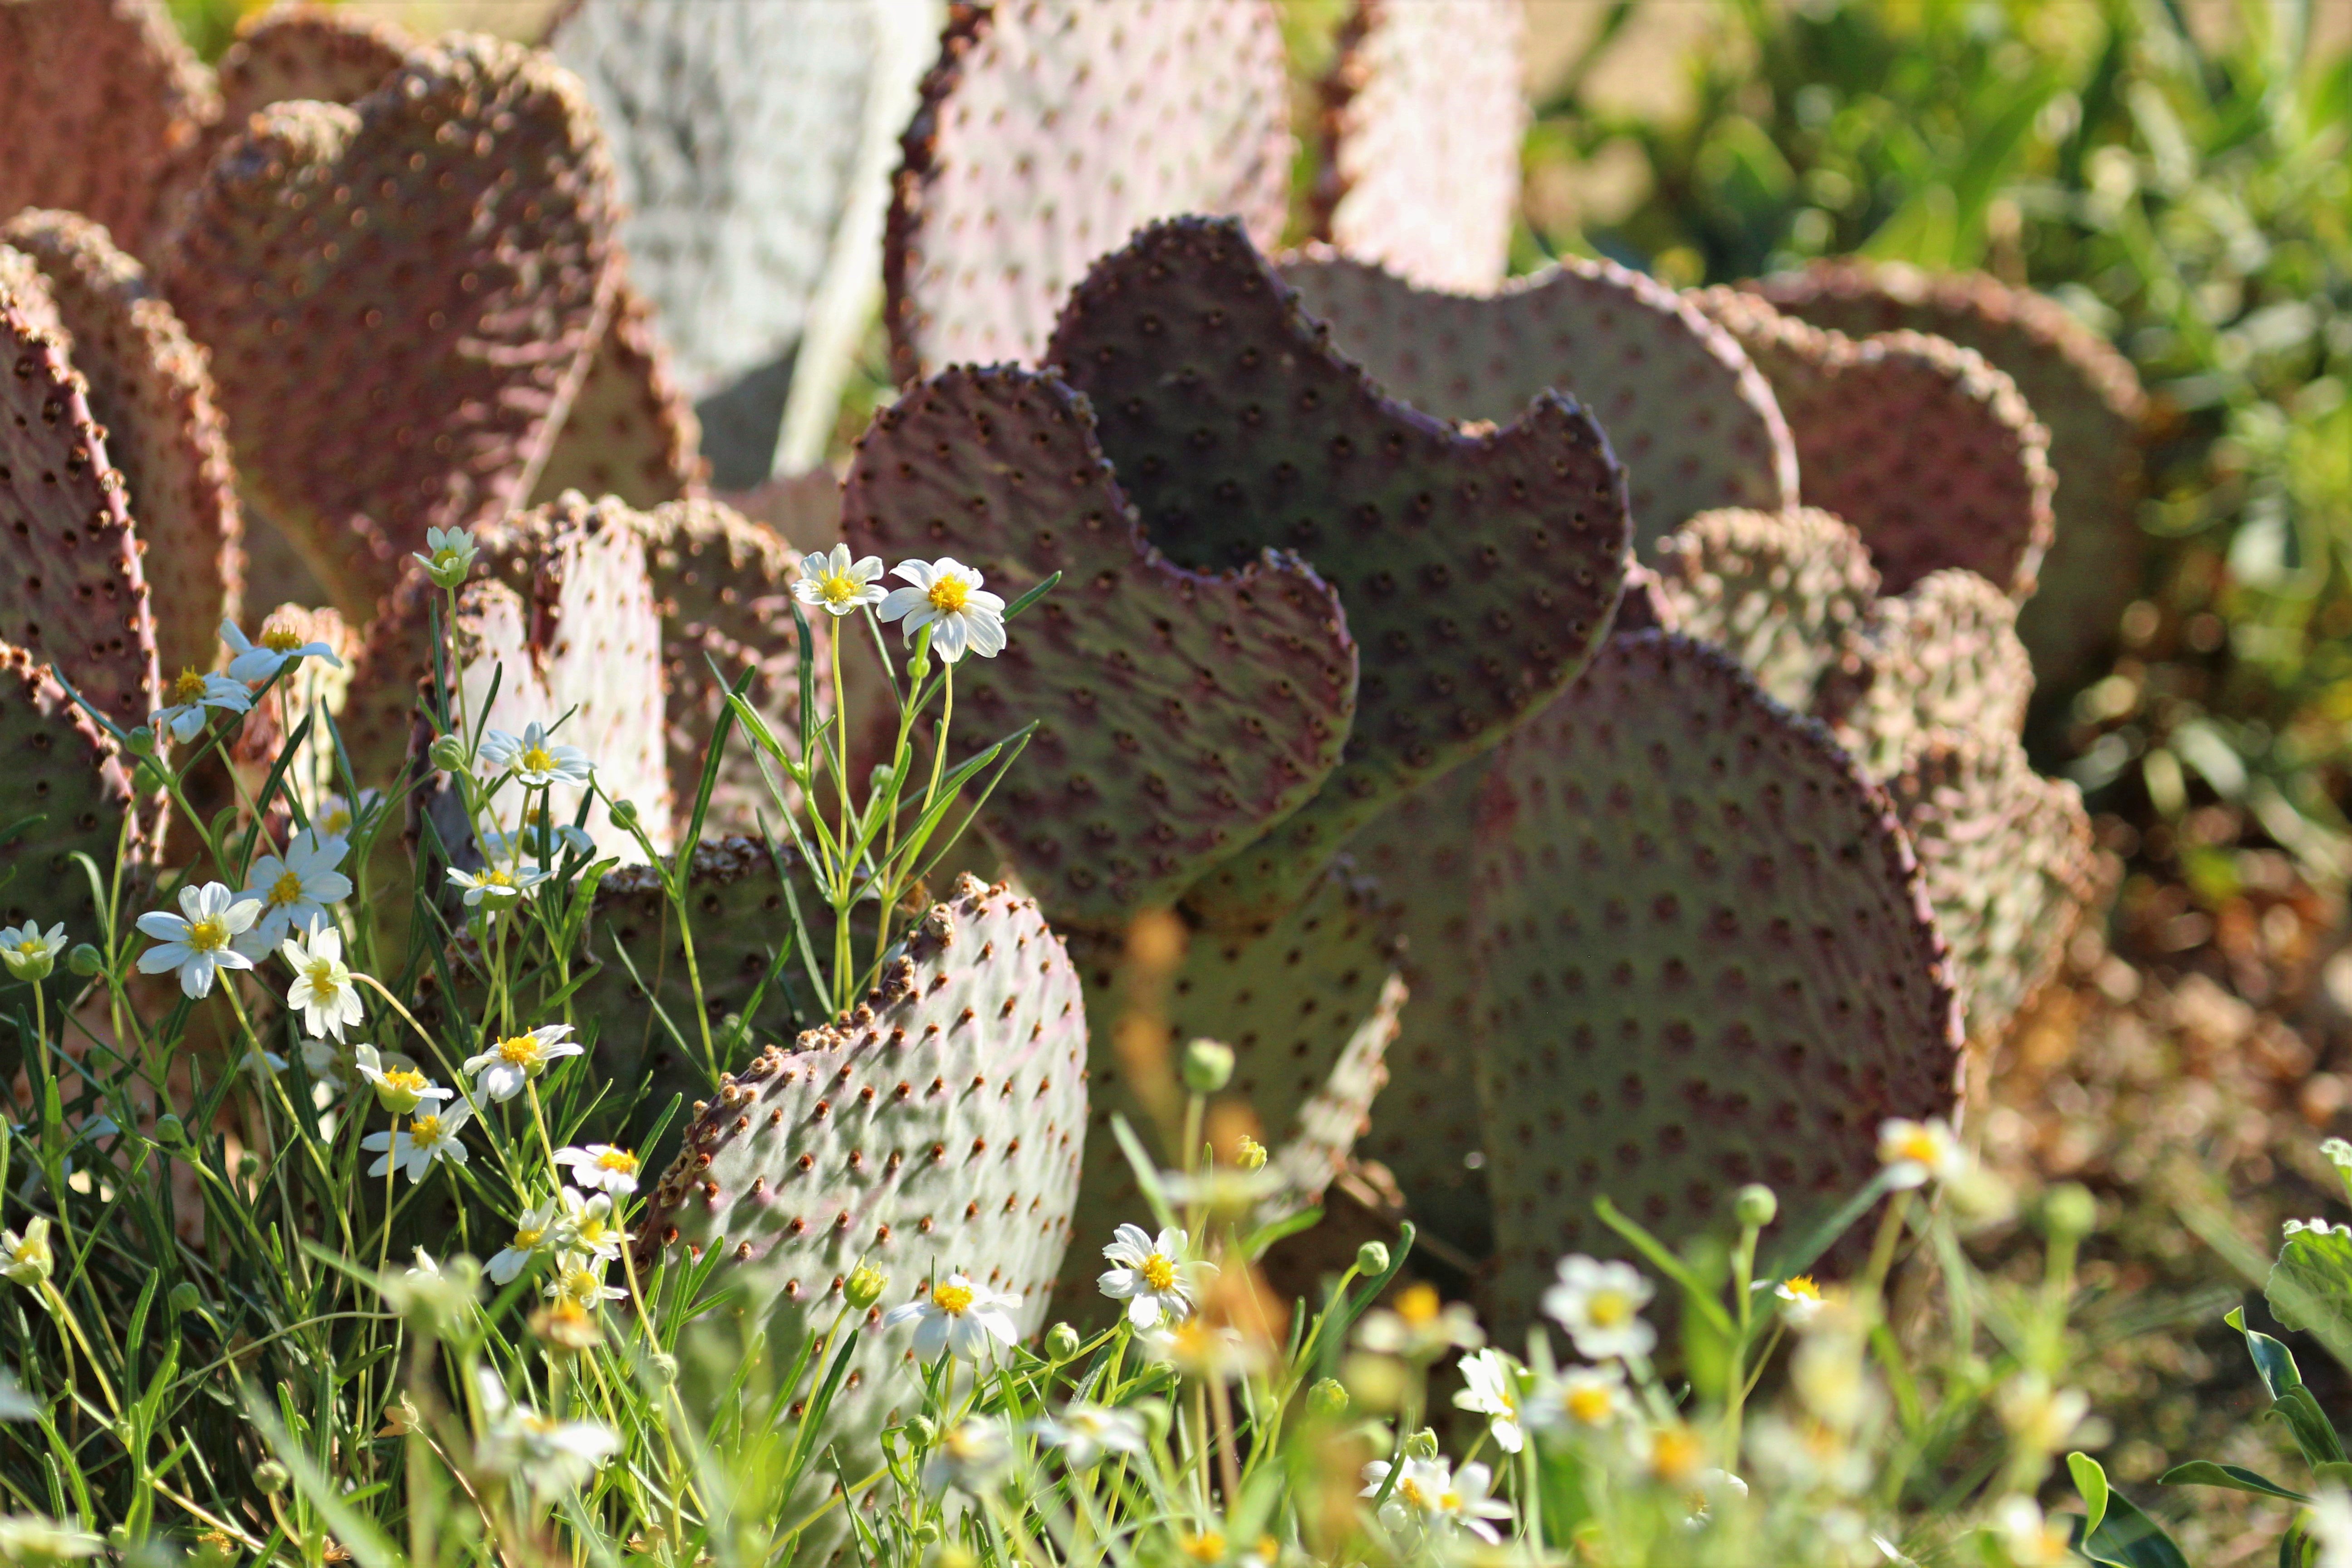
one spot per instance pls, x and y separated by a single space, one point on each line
64 1314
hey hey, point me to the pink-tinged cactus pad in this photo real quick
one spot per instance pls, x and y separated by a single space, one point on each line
390 250
329 54
66 791
1478 570
1709 960
1692 420
151 389
1052 130
1787 593
629 432
1944 655
1181 711
1424 112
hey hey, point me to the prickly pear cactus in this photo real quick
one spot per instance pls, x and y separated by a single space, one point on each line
1308 1007
1181 711
2008 861
1925 447
936 1129
469 298
1052 130
327 54
1787 593
1424 112
151 391
66 791
629 432
96 99
1709 960
2078 385
1692 420
1477 570
1944 655
74 594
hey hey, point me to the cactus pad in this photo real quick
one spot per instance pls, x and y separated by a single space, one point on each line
1048 132
936 1129
2078 385
1477 570
97 98
1786 594
467 301
72 593
152 390
1691 419
2008 861
326 54
1944 655
1927 450
629 432
1424 112
1709 960
66 791
1181 711
1308 1007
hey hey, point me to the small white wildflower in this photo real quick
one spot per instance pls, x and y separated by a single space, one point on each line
1412 1501
294 889
496 885
1580 1399
959 1317
947 594
1491 1388
1200 1350
580 1280
515 1060
546 1455
415 1147
970 1455
2039 1417
1714 1486
25 1258
535 760
28 953
830 581
184 717
533 1234
1153 1275
1085 1433
198 941
1422 1327
323 988
278 647
337 818
329 1063
601 1165
589 1224
1917 1151
2032 1540
399 1088
448 555
1599 1304
16 1404
32 1541
1800 1300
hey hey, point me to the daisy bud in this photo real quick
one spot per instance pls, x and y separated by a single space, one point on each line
662 1367
623 814
1208 1066
922 1431
2069 1210
270 1476
1755 1207
1062 1342
143 742
1372 1258
1250 1154
864 1285
186 1297
1421 1444
1327 1398
448 754
86 961
169 1130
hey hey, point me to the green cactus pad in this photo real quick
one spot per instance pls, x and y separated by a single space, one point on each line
467 302
1479 571
629 432
2078 385
1709 960
1049 133
66 791
1785 592
1180 713
937 1129
1424 112
1924 447
2009 864
1691 419
1425 1126
97 97
1308 1007
152 390
72 593
1944 655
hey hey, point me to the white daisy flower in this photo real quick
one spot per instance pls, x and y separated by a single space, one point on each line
2040 1418
1580 1399
322 985
399 1087
425 1139
336 817
184 717
28 953
1465 1503
1413 1499
1153 1277
199 941
294 889
28 1538
535 760
1917 1151
1714 1486
601 1165
830 581
546 1455
2032 1540
25 1258
959 1317
278 647
533 1234
970 1455
1085 1433
1800 1300
514 1061
1600 1305
1422 1327
580 1280
588 1225
496 885
448 555
947 594
1492 1389
329 1064
1197 1350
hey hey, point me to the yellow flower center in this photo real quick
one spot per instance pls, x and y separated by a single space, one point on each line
838 588
1674 1454
1418 1306
582 1286
518 1050
621 1159
948 594
208 935
425 1132
287 889
188 687
1208 1548
445 559
1803 1288
1589 1404
1410 1489
30 944
592 1227
1608 1309
1449 1502
1919 1147
282 642
538 760
408 1080
338 820
1157 1272
494 878
953 1300
527 1239
321 974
